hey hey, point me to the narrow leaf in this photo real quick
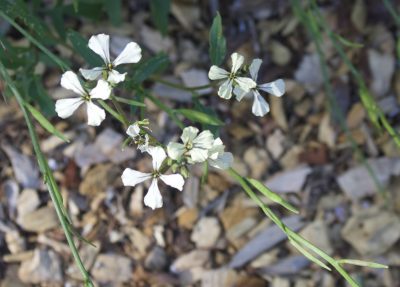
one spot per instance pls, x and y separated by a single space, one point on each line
149 67
217 41
159 14
129 102
272 195
81 47
349 43
308 255
45 123
362 263
200 117
113 10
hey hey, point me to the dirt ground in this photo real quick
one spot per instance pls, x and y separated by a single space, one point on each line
212 234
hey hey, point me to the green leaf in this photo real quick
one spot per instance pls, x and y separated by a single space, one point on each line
149 67
159 14
45 123
217 41
308 255
129 102
349 43
19 10
81 47
39 95
200 117
272 195
113 10
57 17
362 263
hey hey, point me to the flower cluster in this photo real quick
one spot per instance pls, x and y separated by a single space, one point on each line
196 148
238 83
107 77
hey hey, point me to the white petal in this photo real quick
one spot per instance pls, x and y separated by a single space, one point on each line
216 73
198 154
91 74
245 83
216 149
133 130
174 180
260 106
116 77
189 134
276 88
158 155
204 140
237 62
130 54
153 198
101 91
95 114
100 44
70 81
175 150
240 93
131 177
254 68
224 161
225 90
66 107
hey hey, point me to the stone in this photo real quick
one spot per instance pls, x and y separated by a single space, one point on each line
98 179
196 78
257 160
372 231
309 73
43 267
382 67
258 244
27 202
222 277
317 233
187 261
206 232
358 183
112 268
280 54
275 143
26 171
156 260
40 220
291 180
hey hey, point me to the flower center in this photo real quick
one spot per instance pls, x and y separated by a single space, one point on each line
155 174
109 66
189 145
86 97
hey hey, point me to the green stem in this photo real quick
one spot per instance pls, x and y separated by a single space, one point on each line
56 59
180 87
48 177
389 6
290 233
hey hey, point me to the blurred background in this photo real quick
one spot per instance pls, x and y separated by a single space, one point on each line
329 146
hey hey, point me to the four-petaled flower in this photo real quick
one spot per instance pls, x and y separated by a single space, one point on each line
66 107
231 78
100 44
196 146
153 198
217 157
276 88
141 140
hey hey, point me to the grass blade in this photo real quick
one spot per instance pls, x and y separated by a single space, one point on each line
272 195
44 122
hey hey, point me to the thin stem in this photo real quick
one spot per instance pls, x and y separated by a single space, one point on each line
290 233
121 112
48 177
52 56
181 87
389 6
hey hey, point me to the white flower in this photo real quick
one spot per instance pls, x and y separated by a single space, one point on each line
231 78
276 88
141 140
153 198
196 146
66 107
217 157
100 44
